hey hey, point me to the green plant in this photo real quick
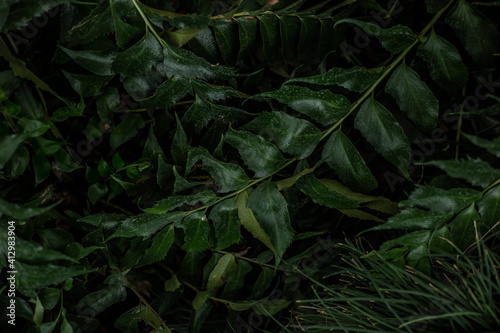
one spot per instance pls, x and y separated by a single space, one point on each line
161 160
375 295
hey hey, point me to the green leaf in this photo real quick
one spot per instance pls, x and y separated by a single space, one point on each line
49 297
247 33
181 184
41 276
226 223
289 33
489 208
33 128
174 201
168 93
8 146
462 227
197 116
117 161
197 230
475 171
182 36
469 23
41 168
99 22
219 274
184 63
20 16
414 97
144 224
19 161
343 157
414 218
271 307
289 182
263 283
96 192
259 155
46 147
87 85
291 135
98 301
65 162
356 79
38 316
68 111
271 211
248 220
307 43
394 39
226 36
322 106
382 130
105 170
98 62
229 177
126 130
124 32
159 247
236 277
270 34
492 146
322 194
440 200
25 211
444 63
180 144
108 103
164 175
140 58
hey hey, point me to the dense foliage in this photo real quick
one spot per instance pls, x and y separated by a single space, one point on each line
191 166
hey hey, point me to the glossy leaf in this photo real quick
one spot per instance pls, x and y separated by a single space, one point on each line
249 221
462 227
98 301
96 192
168 93
125 33
140 58
159 247
236 277
174 201
492 146
33 128
197 230
247 33
270 34
380 128
144 224
469 23
414 97
226 36
226 223
8 146
309 30
414 218
97 23
271 211
180 144
444 63
219 274
291 135
41 276
356 79
86 85
394 39
229 177
65 161
126 130
108 103
322 106
475 171
259 155
98 62
41 167
489 208
197 116
289 33
440 200
343 157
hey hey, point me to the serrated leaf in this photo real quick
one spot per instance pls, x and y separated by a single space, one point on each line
23 211
289 182
343 157
322 106
159 247
184 63
356 79
87 85
211 92
168 93
289 33
477 33
41 276
359 214
271 210
440 200
226 36
97 23
444 63
126 130
217 276
174 201
197 230
180 144
261 156
140 58
20 16
475 171
492 146
381 129
413 97
489 208
124 32
226 223
98 62
143 225
462 227
197 116
394 39
414 218
248 220
229 177
307 43
291 135
247 33
270 34
322 194
98 301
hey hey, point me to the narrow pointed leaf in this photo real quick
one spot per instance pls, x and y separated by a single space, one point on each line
197 230
226 223
219 274
159 247
440 200
168 93
492 146
180 144
226 36
270 34
174 201
247 33
98 62
462 227
126 130
414 218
